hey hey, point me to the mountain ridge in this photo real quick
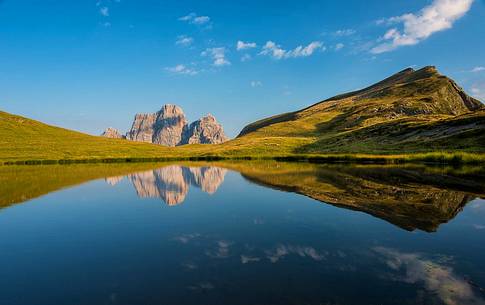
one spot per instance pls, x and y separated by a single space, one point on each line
407 75
366 120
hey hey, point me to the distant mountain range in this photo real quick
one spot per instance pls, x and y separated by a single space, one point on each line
411 112
169 127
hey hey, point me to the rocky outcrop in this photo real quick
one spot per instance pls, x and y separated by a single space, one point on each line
113 133
204 131
169 127
164 127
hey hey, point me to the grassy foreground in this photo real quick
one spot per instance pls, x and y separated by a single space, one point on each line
26 141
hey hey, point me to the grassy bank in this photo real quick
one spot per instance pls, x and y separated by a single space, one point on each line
451 158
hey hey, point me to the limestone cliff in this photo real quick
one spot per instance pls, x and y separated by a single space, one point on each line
164 127
111 132
169 127
204 131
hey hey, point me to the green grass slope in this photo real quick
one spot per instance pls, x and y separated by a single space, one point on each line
411 111
26 139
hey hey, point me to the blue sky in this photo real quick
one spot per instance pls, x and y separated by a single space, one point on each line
87 65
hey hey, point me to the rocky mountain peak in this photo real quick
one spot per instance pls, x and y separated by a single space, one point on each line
209 117
169 111
169 127
206 130
113 133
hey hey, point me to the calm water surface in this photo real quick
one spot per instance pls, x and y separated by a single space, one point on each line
262 233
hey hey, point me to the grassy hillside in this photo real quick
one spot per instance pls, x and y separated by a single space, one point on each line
25 139
411 111
410 116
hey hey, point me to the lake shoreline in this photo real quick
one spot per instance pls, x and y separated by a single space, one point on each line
438 158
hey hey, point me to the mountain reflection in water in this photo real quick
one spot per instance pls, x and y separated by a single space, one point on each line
410 197
171 183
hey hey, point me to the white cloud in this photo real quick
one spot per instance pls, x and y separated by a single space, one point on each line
246 57
339 46
104 11
438 16
256 83
182 69
271 48
301 51
194 19
183 40
187 17
381 21
477 69
218 55
275 50
201 19
241 45
478 91
345 32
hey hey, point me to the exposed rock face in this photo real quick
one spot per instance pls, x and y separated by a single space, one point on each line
169 127
164 127
204 131
111 132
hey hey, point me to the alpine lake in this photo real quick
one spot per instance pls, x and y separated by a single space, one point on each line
252 232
